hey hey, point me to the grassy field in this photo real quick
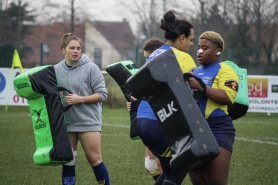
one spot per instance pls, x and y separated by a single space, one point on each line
254 160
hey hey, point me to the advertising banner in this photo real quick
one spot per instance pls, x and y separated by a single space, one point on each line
7 92
263 93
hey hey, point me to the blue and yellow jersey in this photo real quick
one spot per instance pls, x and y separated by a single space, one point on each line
186 63
218 76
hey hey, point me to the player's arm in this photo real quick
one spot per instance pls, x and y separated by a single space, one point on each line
227 83
100 93
218 96
75 99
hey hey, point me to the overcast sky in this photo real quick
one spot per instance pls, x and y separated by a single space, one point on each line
103 10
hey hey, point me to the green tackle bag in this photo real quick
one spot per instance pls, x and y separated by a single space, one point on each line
120 72
241 104
39 86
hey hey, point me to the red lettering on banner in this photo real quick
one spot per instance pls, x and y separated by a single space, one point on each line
16 98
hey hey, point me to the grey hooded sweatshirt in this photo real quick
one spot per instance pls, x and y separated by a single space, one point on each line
82 79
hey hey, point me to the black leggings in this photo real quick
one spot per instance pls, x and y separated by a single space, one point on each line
168 177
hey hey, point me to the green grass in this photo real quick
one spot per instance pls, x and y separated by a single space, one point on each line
254 160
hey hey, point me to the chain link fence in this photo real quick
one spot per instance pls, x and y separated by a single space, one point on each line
257 62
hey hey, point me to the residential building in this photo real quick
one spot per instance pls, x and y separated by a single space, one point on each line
104 42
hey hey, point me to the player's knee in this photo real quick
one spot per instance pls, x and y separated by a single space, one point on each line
73 162
151 165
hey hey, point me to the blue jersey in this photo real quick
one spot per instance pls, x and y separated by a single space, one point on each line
218 76
186 63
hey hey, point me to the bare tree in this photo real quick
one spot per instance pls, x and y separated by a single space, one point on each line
4 4
72 16
70 12
147 17
209 16
249 28
149 13
259 17
15 20
264 17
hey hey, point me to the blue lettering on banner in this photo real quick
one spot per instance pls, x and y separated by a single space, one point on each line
2 82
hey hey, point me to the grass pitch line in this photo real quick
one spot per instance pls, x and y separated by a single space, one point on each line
237 138
256 141
114 135
115 125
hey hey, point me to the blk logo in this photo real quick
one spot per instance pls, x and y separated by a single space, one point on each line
163 113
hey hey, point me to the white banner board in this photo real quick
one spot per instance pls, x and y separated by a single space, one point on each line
262 90
5 84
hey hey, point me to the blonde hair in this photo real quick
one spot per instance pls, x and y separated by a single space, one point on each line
213 37
69 37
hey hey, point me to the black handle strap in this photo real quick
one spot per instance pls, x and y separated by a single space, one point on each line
197 94
66 108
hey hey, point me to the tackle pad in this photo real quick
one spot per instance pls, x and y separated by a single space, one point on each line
39 86
241 104
187 132
120 72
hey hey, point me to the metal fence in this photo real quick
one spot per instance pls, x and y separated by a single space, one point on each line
256 62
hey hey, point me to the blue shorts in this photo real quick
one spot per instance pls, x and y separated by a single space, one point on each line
223 131
152 136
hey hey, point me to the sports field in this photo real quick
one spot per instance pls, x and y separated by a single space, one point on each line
254 161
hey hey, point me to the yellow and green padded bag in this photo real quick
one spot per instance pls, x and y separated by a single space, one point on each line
241 104
39 86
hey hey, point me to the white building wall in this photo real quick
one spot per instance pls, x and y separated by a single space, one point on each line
94 39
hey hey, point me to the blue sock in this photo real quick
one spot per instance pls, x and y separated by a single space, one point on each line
68 175
101 174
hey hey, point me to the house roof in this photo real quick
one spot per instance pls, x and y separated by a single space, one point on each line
50 35
119 34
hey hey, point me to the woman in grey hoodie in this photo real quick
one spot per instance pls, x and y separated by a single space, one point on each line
84 80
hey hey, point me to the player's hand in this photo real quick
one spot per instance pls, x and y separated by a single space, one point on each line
72 99
133 98
128 104
194 84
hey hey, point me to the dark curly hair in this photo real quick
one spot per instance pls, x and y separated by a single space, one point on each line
152 44
175 25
